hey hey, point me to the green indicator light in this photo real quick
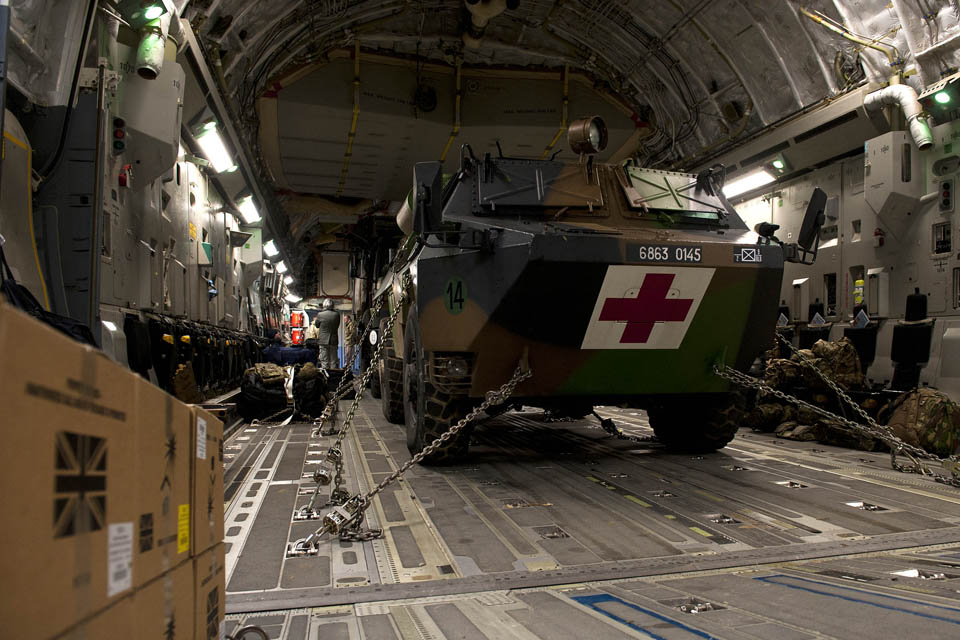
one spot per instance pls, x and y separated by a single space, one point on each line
778 164
942 97
154 12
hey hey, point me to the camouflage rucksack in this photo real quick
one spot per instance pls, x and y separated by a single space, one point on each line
925 418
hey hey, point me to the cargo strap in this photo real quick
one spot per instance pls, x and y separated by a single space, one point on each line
920 459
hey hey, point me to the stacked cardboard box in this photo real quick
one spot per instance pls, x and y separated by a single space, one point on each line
112 505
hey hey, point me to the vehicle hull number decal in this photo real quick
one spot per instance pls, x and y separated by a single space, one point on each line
667 253
455 295
646 307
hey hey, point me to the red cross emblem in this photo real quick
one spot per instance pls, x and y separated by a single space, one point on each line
650 306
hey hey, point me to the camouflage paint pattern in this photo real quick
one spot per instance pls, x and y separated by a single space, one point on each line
531 268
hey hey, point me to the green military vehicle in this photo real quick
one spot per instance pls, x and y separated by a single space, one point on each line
621 285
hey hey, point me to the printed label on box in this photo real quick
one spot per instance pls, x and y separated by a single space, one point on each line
119 557
183 528
201 438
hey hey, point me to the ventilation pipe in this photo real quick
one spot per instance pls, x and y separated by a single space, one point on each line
481 11
153 42
905 97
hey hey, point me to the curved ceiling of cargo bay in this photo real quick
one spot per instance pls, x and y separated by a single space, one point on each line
680 80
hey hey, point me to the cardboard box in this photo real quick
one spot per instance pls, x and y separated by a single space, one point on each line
68 469
165 463
210 593
207 506
115 622
164 607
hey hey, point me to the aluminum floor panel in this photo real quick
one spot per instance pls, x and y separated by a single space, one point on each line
553 528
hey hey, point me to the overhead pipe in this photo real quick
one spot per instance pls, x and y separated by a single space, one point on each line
905 97
481 11
153 42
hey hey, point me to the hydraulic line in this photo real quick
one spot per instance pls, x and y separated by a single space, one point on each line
356 117
96 211
456 114
563 112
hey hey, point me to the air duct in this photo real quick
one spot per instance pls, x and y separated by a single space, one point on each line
481 11
153 42
905 97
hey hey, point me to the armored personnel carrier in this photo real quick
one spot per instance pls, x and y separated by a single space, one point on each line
620 285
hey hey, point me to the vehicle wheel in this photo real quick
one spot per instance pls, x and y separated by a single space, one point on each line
697 427
374 382
391 379
429 412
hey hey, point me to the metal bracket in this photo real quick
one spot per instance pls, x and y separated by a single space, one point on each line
89 75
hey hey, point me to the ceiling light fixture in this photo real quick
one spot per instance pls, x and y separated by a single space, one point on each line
281 267
747 183
154 12
248 210
292 298
270 248
213 148
288 280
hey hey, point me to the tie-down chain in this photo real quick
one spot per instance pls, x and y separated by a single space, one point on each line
331 467
869 427
346 519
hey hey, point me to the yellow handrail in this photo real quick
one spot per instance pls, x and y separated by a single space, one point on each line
563 117
456 115
888 51
356 117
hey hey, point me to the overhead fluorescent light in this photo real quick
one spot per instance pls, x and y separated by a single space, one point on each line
213 148
248 210
748 182
292 298
270 248
288 280
281 267
109 325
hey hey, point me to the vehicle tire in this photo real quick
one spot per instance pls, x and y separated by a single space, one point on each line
391 379
374 382
428 411
572 411
697 427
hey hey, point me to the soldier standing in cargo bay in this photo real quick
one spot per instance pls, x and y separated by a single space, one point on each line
325 326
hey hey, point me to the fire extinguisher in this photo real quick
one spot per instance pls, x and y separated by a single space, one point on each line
878 236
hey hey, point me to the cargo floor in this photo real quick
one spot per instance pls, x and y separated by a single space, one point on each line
556 530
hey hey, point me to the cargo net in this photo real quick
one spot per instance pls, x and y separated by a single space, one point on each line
346 515
921 461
